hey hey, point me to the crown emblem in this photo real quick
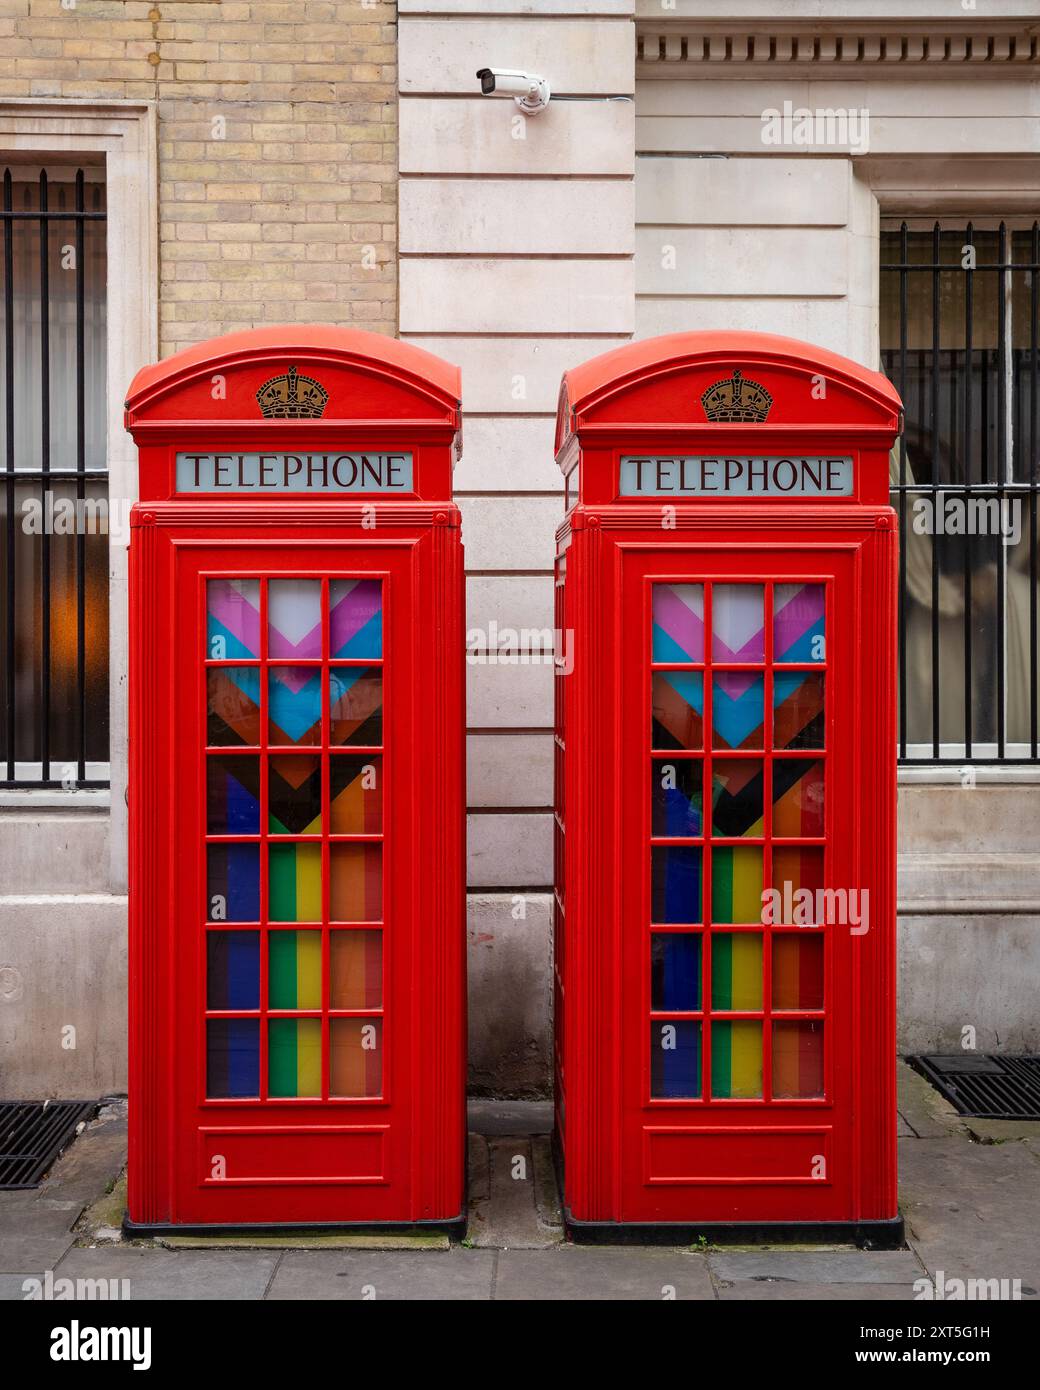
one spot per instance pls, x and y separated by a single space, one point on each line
736 402
292 397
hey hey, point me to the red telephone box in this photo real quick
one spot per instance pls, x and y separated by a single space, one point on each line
726 784
297 1004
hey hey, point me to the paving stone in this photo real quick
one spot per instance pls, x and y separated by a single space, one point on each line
747 1291
588 1272
508 1117
1001 1131
32 1251
509 1219
176 1274
928 1114
92 1161
11 1290
817 1266
956 1173
464 1275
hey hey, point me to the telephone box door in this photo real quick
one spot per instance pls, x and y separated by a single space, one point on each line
295 690
739 696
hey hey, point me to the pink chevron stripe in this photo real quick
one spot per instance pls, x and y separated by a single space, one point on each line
308 646
797 616
226 603
679 621
294 678
350 614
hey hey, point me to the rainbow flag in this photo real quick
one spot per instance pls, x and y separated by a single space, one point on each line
294 882
232 970
294 1057
798 1058
294 970
675 1058
736 971
736 1059
797 797
356 893
798 970
736 883
356 969
232 1057
233 883
356 793
356 1057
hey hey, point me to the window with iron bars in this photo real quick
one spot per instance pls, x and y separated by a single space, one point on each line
53 485
959 339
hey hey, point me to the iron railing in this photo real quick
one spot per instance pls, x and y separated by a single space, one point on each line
963 350
28 735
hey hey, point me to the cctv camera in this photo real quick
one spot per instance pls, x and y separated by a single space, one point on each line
530 92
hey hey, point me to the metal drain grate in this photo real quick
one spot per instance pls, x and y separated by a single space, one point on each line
33 1134
984 1085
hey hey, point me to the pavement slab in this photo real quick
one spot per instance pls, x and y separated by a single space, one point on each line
772 1291
460 1274
582 1272
175 1274
842 1266
519 1177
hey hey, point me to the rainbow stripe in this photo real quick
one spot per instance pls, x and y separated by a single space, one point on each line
232 619
798 622
356 794
798 970
356 1057
356 970
294 882
232 970
678 709
233 883
356 619
294 969
678 623
294 618
356 889
675 1058
736 971
801 867
675 883
798 1058
736 883
232 1057
797 797
294 794
356 705
737 622
736 1059
232 706
294 1057
232 795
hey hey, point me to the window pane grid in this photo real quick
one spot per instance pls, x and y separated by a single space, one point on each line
319 916
729 1055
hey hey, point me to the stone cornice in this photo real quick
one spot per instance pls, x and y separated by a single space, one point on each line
877 48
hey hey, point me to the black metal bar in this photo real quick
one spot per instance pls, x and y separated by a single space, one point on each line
936 281
1002 464
12 690
969 310
45 464
81 490
51 215
903 285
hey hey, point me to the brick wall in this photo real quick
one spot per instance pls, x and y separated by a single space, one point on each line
277 146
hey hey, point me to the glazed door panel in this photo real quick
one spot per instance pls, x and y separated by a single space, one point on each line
738 714
295 692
